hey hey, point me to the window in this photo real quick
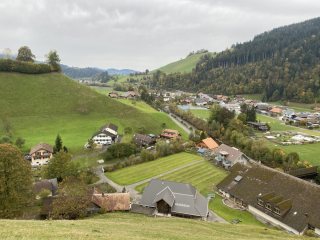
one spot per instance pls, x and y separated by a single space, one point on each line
260 202
268 206
277 211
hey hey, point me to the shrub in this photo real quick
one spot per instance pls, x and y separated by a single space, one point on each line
9 65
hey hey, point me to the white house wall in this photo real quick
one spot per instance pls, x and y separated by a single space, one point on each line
271 220
317 231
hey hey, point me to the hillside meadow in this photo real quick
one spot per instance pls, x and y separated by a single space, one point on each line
38 107
125 226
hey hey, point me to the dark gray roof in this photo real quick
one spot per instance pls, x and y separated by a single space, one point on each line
233 153
141 139
299 196
183 197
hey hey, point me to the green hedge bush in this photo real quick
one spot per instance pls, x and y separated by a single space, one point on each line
9 65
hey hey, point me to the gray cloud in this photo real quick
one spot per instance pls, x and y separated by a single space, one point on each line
140 34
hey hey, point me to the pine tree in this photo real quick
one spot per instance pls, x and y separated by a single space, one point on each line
58 144
15 182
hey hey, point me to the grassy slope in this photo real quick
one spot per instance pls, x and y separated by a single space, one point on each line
132 226
202 175
184 65
41 106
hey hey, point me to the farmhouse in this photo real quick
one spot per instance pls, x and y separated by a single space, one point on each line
143 140
172 198
208 143
274 197
110 202
201 102
258 126
170 134
41 154
110 130
102 139
275 111
227 156
113 95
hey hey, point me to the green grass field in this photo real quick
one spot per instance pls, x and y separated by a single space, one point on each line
309 152
203 176
184 65
123 226
133 174
278 125
201 113
38 107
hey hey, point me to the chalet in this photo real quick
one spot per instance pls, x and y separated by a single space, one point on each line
110 202
130 95
50 185
262 108
274 197
201 101
143 140
177 199
206 97
102 139
258 126
113 95
275 111
233 107
41 154
208 143
110 130
170 134
227 156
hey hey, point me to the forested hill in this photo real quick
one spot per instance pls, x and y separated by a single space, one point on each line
282 64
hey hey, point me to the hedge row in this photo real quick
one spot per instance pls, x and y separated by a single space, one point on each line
9 65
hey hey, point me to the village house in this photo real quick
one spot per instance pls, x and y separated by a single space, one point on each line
201 101
130 95
208 143
274 197
258 126
233 107
262 108
206 97
170 134
174 199
102 139
143 140
110 130
110 202
41 154
276 112
113 95
227 156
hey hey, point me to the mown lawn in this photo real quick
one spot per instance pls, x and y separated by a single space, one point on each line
230 214
202 175
133 174
201 113
123 226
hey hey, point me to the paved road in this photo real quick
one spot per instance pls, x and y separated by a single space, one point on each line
177 121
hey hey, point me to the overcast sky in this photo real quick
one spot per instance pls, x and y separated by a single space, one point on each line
140 34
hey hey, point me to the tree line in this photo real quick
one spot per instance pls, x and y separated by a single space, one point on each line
25 62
